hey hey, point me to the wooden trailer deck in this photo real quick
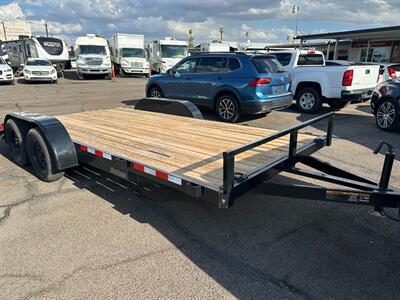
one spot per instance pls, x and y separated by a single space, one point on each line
186 147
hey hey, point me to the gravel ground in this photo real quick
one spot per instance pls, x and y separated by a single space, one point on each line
89 236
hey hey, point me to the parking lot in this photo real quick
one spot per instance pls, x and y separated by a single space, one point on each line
90 236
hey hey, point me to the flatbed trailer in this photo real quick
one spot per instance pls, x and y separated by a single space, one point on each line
168 142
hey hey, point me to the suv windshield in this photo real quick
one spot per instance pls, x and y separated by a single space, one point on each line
2 61
38 62
267 64
173 51
90 49
132 52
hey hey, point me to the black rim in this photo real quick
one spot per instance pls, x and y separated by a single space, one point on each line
14 143
39 156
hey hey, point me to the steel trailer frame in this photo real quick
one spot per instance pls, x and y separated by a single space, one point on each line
357 190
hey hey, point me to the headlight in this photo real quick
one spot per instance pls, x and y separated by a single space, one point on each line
53 71
27 71
107 64
124 63
9 70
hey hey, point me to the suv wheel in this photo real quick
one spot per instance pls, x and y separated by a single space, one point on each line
155 92
387 115
227 108
308 100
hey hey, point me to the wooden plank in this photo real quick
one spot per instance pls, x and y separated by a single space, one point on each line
189 148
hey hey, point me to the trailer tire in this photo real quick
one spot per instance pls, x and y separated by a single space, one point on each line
39 154
309 100
16 140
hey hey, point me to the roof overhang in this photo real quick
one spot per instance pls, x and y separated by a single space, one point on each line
382 33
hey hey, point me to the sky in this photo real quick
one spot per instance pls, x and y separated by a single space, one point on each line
268 21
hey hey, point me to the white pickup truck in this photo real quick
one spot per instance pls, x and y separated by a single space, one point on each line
313 82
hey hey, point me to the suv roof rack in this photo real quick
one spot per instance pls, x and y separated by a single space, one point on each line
210 53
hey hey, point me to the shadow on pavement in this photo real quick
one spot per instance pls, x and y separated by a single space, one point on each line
265 247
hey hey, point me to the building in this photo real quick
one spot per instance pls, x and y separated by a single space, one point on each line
365 45
13 30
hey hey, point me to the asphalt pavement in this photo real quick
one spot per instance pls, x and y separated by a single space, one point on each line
92 236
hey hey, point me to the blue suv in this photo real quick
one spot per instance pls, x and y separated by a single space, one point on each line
231 84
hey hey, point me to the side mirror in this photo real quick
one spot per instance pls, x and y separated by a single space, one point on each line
54 65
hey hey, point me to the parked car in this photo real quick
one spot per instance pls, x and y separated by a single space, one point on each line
388 71
385 104
231 84
6 73
315 82
39 69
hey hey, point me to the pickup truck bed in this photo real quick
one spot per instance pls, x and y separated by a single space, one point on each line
188 148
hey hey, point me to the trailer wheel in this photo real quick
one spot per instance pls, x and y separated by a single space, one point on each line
16 140
39 155
309 100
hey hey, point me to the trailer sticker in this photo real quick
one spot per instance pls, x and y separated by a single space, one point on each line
157 173
95 152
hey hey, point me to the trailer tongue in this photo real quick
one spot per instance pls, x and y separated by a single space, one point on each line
209 160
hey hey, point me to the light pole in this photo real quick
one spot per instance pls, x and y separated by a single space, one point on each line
221 32
295 11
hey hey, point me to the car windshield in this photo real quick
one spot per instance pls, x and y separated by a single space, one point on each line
267 64
173 51
38 62
91 49
132 52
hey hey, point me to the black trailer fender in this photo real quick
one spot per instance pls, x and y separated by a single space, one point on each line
58 140
169 106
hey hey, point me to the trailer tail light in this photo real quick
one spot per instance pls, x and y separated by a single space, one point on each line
347 78
1 128
260 81
392 73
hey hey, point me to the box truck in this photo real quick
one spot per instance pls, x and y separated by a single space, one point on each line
128 55
92 56
215 47
164 54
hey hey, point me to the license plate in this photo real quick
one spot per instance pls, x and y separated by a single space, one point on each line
278 89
